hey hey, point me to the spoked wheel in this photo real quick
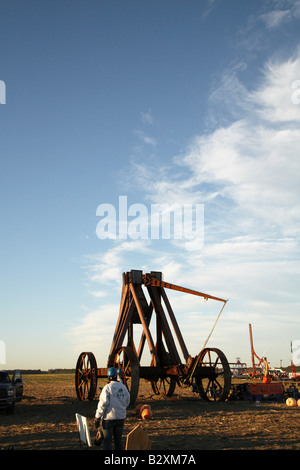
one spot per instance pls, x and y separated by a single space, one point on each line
86 376
124 358
215 385
164 386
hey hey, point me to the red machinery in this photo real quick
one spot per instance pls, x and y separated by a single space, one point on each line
253 354
262 360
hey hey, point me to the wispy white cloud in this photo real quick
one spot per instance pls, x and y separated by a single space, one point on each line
280 13
94 332
256 168
106 266
208 6
274 18
273 99
146 139
147 118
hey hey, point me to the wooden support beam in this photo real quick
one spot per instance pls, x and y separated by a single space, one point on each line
150 280
143 336
145 326
124 300
175 325
124 326
164 326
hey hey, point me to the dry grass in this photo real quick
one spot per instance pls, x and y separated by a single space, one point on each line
45 419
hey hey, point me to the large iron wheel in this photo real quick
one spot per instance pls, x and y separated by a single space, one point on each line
163 385
124 358
215 386
86 376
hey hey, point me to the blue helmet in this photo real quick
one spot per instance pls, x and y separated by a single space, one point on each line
119 371
112 373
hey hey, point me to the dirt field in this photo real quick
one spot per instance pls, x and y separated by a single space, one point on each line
45 420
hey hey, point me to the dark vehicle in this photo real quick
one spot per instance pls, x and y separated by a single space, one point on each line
11 390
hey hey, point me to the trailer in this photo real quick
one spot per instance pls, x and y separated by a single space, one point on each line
144 301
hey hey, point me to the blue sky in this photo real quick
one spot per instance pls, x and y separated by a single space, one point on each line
174 102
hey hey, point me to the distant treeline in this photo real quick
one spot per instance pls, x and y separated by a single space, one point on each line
61 371
39 371
72 371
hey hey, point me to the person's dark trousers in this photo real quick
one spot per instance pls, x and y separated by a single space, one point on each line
112 428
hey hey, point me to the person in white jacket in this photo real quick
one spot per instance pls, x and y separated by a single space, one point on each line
113 402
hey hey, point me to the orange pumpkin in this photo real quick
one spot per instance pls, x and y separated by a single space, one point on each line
291 402
298 402
146 413
138 408
144 407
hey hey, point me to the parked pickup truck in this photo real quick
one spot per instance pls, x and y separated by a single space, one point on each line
11 390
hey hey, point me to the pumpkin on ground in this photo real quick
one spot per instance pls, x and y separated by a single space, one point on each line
144 407
146 413
291 402
138 408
